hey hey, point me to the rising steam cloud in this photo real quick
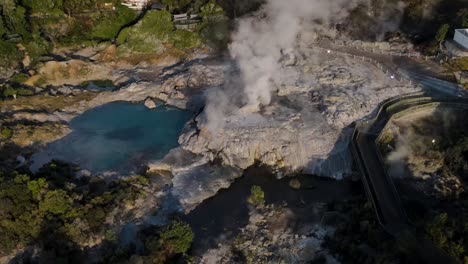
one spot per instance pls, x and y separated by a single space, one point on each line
261 40
258 45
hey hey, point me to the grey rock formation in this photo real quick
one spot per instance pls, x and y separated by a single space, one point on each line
149 103
181 86
194 177
306 127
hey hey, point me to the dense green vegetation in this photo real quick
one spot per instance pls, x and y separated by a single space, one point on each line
157 33
450 234
39 26
426 22
61 213
54 201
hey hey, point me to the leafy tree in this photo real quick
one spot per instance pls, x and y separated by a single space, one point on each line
177 238
109 25
43 5
442 32
37 187
19 220
215 26
76 6
16 22
56 202
257 196
19 78
148 36
183 39
9 55
6 133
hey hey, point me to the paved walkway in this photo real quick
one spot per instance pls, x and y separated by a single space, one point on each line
415 69
378 184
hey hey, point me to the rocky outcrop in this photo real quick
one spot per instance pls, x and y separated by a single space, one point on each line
306 127
194 177
73 72
58 117
270 238
181 86
149 103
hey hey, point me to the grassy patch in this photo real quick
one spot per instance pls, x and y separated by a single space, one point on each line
184 40
9 55
44 103
19 78
6 133
459 64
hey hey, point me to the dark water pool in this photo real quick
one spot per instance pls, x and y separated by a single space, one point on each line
222 216
117 137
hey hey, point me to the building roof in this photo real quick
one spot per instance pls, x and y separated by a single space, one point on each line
463 31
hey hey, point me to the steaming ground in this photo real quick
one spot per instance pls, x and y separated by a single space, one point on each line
288 105
305 126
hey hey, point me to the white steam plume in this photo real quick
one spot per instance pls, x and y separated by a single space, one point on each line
258 44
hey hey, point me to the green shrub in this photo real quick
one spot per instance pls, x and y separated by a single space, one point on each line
148 36
24 92
215 26
442 32
9 91
56 202
37 187
257 196
9 55
108 26
37 47
177 238
184 40
40 82
211 9
6 133
123 36
20 220
19 78
142 180
158 23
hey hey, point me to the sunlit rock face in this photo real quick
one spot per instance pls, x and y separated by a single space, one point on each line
179 85
307 125
194 177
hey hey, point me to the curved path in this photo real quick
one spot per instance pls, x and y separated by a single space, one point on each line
417 70
379 186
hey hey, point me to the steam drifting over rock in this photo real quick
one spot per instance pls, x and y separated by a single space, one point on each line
260 42
288 105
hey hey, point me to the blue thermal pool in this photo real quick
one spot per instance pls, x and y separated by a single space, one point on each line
118 137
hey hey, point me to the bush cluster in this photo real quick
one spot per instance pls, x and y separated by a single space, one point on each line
54 207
